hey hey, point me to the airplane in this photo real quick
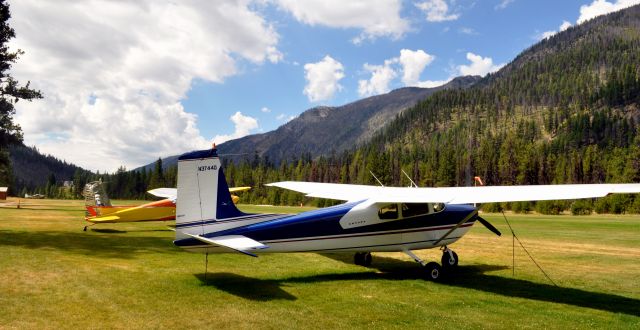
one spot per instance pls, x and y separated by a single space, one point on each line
372 219
34 196
99 208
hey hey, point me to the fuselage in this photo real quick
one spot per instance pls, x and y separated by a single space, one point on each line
351 227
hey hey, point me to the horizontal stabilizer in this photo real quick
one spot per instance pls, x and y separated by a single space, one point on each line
237 243
238 189
169 193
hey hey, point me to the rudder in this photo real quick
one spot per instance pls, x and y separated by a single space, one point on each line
203 193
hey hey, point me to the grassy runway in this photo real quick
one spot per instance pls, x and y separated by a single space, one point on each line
54 275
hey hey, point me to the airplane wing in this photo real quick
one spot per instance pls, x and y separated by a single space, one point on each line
169 193
456 195
106 219
238 189
172 193
237 243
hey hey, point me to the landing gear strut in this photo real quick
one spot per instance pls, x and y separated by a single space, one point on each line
363 259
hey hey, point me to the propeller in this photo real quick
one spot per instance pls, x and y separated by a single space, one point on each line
489 226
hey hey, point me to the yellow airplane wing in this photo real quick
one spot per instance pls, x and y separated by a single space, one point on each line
238 189
107 219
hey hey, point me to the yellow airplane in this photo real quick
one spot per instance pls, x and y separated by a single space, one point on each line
100 210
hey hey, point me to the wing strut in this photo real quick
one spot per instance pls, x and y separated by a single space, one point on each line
471 215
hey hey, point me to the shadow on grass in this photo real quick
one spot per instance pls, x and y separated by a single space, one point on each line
246 287
108 246
107 231
116 231
470 277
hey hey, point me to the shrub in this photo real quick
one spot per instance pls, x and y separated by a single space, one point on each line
550 207
492 207
581 207
521 207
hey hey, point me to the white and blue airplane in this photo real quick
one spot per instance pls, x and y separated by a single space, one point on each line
372 219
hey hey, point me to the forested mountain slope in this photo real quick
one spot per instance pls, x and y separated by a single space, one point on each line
565 110
322 130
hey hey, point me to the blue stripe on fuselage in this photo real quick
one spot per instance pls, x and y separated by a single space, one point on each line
326 222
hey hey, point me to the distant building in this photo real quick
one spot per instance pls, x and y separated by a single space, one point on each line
67 184
3 193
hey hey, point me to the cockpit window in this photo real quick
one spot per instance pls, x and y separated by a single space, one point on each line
416 209
388 212
413 209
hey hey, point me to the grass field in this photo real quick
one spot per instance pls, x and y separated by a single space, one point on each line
54 275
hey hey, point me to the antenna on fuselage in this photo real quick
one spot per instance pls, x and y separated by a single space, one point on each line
374 176
413 184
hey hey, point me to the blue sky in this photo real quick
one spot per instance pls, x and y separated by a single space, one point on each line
128 82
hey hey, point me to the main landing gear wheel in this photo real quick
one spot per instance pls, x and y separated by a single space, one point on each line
363 259
434 271
449 259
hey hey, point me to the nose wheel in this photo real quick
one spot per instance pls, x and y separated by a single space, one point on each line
449 258
433 270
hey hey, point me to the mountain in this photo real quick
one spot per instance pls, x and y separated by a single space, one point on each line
32 169
565 110
322 130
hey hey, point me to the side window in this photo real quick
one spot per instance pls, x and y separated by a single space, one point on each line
414 209
388 212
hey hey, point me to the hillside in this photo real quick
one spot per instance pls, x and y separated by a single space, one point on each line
322 130
565 110
32 169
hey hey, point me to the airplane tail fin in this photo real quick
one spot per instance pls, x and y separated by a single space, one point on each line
203 193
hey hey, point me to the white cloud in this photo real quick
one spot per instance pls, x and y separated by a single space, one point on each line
323 79
469 31
113 87
544 35
601 7
503 4
431 83
479 66
565 25
381 76
436 10
243 127
265 110
413 63
285 117
376 18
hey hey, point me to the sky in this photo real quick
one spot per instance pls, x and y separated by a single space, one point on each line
126 82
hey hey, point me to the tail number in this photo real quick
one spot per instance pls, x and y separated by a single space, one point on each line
208 168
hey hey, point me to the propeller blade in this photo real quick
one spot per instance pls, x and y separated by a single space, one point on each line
489 226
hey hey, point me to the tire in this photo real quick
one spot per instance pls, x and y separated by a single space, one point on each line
447 262
367 259
358 258
434 271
